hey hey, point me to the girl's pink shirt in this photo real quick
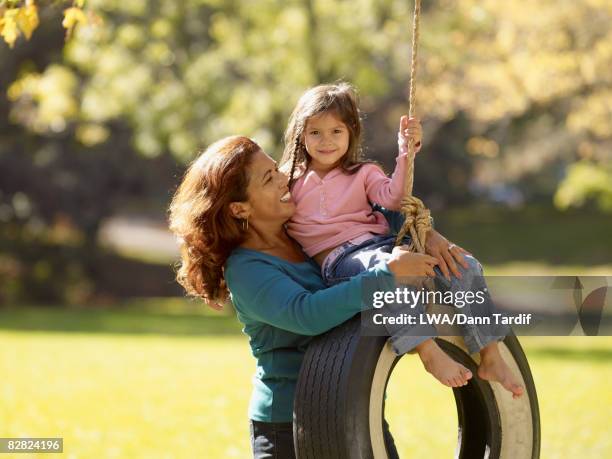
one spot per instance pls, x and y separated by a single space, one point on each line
336 208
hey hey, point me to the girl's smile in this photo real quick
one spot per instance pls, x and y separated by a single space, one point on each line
327 140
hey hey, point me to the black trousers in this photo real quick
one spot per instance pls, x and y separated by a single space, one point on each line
274 440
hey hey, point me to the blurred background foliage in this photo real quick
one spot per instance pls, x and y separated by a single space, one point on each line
106 102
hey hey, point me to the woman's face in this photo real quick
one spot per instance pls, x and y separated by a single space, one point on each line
268 191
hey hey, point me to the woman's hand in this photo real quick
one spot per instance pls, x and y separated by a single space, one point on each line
446 253
409 264
410 128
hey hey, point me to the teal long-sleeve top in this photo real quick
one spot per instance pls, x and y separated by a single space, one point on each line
282 306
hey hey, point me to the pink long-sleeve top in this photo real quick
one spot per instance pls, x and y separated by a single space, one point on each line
336 208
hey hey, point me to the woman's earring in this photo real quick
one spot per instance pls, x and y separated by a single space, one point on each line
245 223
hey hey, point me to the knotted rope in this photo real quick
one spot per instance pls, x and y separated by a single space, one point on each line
417 217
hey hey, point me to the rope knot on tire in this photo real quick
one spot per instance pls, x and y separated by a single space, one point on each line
417 222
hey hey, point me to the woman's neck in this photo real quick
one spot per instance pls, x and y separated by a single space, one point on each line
274 241
266 238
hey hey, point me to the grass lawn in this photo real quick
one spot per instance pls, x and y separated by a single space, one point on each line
172 382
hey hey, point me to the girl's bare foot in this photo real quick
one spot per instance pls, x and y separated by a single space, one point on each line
441 366
494 368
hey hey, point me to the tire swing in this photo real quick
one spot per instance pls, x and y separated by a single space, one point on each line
339 400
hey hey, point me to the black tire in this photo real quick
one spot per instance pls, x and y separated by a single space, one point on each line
339 406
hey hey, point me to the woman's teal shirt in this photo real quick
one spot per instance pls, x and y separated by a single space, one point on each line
282 306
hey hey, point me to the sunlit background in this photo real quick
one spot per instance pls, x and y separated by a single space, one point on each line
104 102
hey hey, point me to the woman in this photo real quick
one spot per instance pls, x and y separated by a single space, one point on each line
229 214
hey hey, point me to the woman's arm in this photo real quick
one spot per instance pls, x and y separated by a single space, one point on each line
262 291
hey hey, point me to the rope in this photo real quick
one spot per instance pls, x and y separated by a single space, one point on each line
417 217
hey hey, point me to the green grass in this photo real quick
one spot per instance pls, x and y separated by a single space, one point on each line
148 381
175 316
127 396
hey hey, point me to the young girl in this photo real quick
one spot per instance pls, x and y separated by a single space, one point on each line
334 222
334 186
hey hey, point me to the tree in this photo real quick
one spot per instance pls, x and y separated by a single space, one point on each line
514 95
531 79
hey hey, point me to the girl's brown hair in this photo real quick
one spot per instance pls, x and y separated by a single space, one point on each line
340 99
201 219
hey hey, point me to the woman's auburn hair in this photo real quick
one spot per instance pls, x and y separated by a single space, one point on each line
201 219
341 100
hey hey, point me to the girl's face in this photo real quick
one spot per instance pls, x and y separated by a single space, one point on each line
269 198
327 140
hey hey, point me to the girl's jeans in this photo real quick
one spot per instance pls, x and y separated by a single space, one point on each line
350 259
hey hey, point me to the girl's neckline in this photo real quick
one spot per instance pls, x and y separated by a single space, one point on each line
325 175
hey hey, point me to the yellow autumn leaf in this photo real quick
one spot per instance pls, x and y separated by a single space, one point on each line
27 19
72 17
10 31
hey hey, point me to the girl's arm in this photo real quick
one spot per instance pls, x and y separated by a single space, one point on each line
388 192
262 291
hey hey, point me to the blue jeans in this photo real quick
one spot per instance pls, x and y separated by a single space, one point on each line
357 258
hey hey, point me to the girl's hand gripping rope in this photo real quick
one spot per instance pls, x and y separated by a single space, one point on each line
410 128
